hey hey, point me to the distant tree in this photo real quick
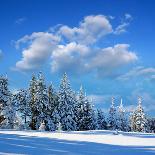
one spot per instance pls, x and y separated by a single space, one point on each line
112 117
85 115
151 123
122 121
138 119
101 121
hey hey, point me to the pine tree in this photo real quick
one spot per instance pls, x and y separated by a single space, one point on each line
7 107
4 96
32 101
41 100
9 113
122 121
52 105
65 112
112 117
101 121
85 115
24 108
138 118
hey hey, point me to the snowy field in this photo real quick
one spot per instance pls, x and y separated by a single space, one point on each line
76 143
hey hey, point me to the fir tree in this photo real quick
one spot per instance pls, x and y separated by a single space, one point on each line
32 101
122 121
4 96
52 105
85 115
138 118
9 113
41 100
65 112
101 121
24 108
112 117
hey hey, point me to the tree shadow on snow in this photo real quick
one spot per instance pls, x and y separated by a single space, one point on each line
18 144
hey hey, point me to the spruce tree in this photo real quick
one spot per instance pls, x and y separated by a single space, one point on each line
5 101
4 95
101 121
122 121
32 102
41 100
52 105
23 107
138 118
65 112
85 115
112 117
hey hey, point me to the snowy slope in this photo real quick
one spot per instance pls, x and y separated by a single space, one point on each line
76 143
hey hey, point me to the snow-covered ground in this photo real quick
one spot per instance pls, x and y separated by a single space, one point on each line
76 143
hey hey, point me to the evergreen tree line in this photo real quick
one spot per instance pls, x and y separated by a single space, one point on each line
41 106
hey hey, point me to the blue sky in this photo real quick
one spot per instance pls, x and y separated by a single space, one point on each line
107 46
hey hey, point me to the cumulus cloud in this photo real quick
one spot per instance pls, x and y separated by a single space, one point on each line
89 31
74 49
109 59
70 57
40 46
79 58
139 71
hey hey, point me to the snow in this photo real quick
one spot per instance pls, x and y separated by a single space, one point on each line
76 143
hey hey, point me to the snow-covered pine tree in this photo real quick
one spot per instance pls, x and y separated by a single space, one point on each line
23 107
122 121
41 100
7 107
9 112
52 104
112 116
65 112
151 123
4 96
138 118
84 113
32 101
101 121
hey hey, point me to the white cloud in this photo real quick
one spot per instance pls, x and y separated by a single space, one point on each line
139 72
40 46
124 24
109 59
74 49
89 31
70 57
121 28
80 58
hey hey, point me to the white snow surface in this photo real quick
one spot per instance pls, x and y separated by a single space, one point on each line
76 143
